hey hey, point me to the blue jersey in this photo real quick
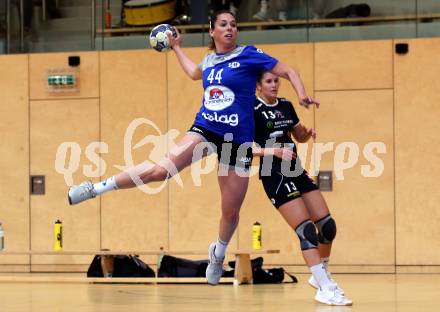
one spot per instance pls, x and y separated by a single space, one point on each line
229 82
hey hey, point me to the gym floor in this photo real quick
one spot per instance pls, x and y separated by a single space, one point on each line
370 292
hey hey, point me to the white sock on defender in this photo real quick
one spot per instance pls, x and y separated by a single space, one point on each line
320 274
220 248
105 186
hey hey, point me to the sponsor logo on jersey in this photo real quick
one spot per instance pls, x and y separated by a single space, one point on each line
215 94
279 114
231 120
234 65
269 124
280 123
217 98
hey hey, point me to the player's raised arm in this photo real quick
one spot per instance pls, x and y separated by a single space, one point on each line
188 66
285 71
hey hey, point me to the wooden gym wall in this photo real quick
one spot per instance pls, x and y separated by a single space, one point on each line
368 94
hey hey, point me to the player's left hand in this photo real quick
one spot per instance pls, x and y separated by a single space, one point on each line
307 101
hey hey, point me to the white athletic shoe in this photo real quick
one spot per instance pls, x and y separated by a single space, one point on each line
331 296
312 282
80 193
214 270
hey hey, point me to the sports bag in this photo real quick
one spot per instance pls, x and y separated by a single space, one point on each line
124 266
266 276
178 267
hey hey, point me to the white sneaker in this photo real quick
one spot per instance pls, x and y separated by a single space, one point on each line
331 296
260 16
80 193
312 282
214 270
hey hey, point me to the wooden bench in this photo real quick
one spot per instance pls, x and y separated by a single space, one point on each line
242 274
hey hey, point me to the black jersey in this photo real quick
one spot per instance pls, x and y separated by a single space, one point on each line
273 124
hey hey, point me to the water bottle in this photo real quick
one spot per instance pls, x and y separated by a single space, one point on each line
58 235
2 238
256 236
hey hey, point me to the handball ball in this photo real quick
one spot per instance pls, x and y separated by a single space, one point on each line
159 39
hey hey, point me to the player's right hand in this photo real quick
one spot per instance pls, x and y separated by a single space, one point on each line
307 101
175 41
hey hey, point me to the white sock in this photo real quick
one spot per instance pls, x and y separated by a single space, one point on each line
320 274
325 262
105 186
220 249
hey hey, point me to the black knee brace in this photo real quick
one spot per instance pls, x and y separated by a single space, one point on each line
306 232
326 229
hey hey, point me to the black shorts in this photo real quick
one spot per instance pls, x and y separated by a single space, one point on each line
230 154
281 189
